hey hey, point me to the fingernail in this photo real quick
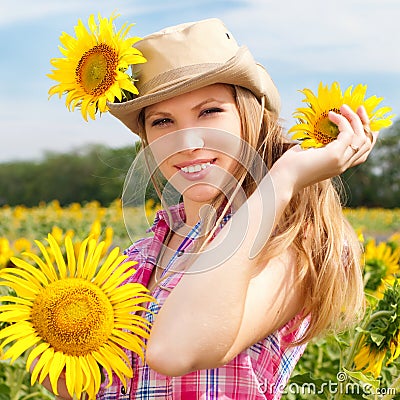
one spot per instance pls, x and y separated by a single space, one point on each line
345 106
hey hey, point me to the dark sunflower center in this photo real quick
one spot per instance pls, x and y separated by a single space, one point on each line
96 69
74 316
325 131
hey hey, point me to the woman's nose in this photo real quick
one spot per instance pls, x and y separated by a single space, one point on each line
184 140
189 139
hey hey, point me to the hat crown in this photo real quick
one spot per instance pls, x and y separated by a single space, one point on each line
182 51
190 56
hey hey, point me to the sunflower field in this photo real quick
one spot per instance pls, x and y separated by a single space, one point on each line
363 362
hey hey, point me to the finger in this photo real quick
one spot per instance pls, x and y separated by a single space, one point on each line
344 126
362 113
363 141
353 118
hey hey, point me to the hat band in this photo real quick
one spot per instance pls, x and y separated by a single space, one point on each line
175 76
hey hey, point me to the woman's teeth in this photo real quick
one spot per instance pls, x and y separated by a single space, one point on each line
195 168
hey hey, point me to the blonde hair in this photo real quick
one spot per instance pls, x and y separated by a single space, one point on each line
326 248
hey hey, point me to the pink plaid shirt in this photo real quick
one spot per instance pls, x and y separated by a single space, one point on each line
259 372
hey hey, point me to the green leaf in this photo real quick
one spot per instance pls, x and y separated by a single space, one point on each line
4 392
363 378
377 338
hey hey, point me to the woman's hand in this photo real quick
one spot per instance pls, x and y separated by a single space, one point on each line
352 147
61 384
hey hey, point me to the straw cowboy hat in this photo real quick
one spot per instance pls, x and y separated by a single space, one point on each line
190 56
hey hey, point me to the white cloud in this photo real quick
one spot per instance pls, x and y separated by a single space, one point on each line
350 35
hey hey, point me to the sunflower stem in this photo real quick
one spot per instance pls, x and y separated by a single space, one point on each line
356 344
394 385
34 395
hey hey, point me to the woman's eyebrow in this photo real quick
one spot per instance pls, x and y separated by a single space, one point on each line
206 101
196 107
158 113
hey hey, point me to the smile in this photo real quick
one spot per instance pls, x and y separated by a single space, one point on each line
195 167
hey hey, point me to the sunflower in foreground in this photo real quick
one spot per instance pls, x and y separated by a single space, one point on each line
382 336
75 317
95 64
314 129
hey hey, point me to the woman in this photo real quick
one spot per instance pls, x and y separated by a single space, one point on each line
257 259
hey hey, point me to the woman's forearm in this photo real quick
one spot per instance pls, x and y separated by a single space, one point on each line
201 318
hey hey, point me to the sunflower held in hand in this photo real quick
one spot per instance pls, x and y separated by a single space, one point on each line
314 129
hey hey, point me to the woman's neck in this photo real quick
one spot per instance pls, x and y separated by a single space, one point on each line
192 211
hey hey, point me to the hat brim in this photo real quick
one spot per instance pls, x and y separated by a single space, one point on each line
240 70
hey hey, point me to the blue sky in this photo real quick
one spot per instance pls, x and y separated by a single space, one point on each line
299 42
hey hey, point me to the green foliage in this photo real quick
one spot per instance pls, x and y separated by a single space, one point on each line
376 183
15 383
95 173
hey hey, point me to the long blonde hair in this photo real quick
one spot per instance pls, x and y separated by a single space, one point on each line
326 248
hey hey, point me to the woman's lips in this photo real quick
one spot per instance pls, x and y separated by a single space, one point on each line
196 169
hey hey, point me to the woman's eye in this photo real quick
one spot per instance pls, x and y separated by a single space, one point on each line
212 110
161 122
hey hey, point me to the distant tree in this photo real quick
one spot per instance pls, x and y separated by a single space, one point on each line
92 173
376 183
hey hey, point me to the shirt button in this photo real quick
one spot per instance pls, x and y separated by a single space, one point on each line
123 390
180 252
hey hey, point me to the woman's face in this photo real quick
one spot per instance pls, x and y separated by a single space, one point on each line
192 162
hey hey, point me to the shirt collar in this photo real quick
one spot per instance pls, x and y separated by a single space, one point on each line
178 216
177 213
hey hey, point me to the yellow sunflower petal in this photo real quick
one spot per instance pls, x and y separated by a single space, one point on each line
70 374
133 343
62 268
20 330
20 290
57 365
81 258
92 258
23 283
70 256
20 347
42 361
95 373
84 367
48 271
119 367
125 292
35 353
38 275
108 264
98 356
47 259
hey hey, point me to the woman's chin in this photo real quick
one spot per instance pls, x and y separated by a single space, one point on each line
201 193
